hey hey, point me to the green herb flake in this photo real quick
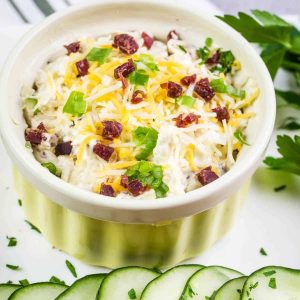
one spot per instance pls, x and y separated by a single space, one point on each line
33 227
203 53
225 62
280 188
12 241
71 268
208 42
12 267
263 252
146 138
269 273
28 145
148 61
182 48
132 294
99 54
75 105
240 137
20 202
50 166
9 282
30 103
272 283
24 282
219 86
54 279
253 286
138 78
187 101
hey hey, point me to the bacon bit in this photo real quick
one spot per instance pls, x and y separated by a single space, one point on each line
173 35
214 59
187 80
206 176
64 148
82 67
189 119
111 130
138 96
174 89
126 43
148 40
35 136
107 190
73 47
203 89
136 188
222 113
103 151
124 70
124 181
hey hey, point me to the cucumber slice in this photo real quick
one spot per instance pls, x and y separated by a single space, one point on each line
7 289
232 289
272 283
125 283
38 291
170 284
204 283
85 288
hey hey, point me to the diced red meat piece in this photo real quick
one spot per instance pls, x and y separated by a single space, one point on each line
182 122
107 190
222 113
82 67
203 89
126 43
174 89
187 80
111 129
103 151
136 188
73 47
124 181
206 176
64 148
148 40
35 136
123 71
214 59
173 35
138 96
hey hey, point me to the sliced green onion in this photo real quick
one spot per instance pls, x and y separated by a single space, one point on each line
138 78
187 101
239 136
75 105
99 54
219 86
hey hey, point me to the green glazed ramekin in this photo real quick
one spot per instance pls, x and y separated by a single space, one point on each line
114 245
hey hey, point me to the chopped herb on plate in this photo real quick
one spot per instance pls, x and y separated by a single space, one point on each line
33 227
71 268
272 283
12 267
280 188
132 294
54 279
240 137
12 241
24 282
263 252
269 273
20 202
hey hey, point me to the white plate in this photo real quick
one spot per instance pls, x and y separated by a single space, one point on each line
270 220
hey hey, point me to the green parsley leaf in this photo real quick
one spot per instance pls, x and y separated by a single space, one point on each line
219 86
290 151
225 62
33 227
12 241
146 138
240 137
24 282
13 267
132 294
71 268
203 53
187 101
208 42
280 188
99 54
269 273
272 283
75 105
54 279
20 202
149 174
263 252
267 28
138 78
289 98
290 123
147 61
182 48
30 103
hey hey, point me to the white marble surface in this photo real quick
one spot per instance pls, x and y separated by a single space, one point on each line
269 220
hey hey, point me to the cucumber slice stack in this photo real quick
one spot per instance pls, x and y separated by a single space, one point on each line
184 282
